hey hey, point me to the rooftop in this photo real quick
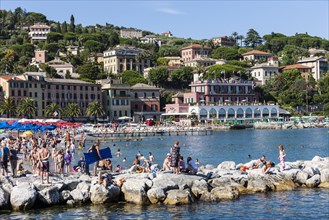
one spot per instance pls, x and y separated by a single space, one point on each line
144 86
39 25
7 77
255 52
310 59
296 66
68 81
196 46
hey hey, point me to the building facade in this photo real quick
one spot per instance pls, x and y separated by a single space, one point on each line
167 34
224 41
265 71
45 91
193 51
39 32
116 99
145 102
122 58
256 55
203 61
319 66
174 61
131 33
40 56
61 66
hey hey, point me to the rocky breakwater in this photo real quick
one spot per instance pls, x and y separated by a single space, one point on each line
211 184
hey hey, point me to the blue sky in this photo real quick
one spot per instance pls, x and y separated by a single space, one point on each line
195 19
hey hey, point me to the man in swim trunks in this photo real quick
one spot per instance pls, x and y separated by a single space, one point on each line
44 154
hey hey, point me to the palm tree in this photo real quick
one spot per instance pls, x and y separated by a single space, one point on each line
95 109
51 109
200 69
26 107
241 37
8 107
72 110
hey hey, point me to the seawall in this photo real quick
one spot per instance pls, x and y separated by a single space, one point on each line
211 184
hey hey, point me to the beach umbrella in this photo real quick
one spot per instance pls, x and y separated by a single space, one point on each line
28 132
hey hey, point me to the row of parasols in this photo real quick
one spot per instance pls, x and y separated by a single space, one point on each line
37 125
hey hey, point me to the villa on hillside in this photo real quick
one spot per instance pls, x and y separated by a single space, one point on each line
38 32
256 55
193 51
151 39
318 65
265 71
131 33
224 41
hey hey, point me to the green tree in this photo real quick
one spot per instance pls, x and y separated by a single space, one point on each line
58 28
26 107
158 76
132 77
72 110
70 36
252 38
64 27
291 54
8 58
72 25
52 109
93 46
8 107
54 37
88 71
161 61
226 53
95 109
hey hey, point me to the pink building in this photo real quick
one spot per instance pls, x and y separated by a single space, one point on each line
193 51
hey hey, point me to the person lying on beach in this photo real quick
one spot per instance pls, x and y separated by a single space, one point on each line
106 180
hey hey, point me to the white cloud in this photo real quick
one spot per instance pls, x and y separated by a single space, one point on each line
170 11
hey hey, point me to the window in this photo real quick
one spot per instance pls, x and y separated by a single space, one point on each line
115 113
49 95
12 92
136 95
35 94
153 95
63 87
75 87
35 85
81 96
144 107
63 95
57 86
57 95
19 93
144 95
30 94
136 107
24 92
49 86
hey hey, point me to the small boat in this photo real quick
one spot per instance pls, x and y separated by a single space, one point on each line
241 126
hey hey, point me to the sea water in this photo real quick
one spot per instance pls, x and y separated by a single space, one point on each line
236 146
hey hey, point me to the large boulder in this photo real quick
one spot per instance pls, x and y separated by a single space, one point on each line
135 190
220 182
100 194
199 188
84 186
79 196
279 182
85 178
314 181
226 192
71 184
4 199
49 196
301 177
178 197
226 165
255 186
317 159
23 197
174 180
324 178
156 195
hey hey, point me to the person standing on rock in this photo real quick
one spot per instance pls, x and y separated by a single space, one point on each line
44 155
13 160
282 158
95 149
174 159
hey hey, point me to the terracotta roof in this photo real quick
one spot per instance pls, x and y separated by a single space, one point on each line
7 78
296 66
257 52
196 46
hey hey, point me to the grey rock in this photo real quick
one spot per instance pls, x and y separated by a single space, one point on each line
84 186
135 191
4 199
65 196
199 188
178 197
23 198
314 181
99 194
79 196
324 175
255 186
220 182
156 195
226 192
71 203
49 196
301 177
71 184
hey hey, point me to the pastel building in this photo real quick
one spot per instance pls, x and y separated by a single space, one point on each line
318 65
145 102
193 51
174 61
45 91
116 99
121 58
61 66
203 61
256 55
224 41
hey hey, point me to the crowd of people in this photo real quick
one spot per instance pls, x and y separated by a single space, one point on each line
41 152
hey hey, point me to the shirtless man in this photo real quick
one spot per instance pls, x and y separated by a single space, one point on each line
34 158
44 155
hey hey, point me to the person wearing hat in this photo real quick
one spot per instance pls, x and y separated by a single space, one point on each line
166 163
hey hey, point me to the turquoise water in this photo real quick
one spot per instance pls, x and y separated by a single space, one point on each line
213 149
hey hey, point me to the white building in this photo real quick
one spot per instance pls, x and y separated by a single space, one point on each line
39 32
319 66
265 71
203 61
60 66
151 39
